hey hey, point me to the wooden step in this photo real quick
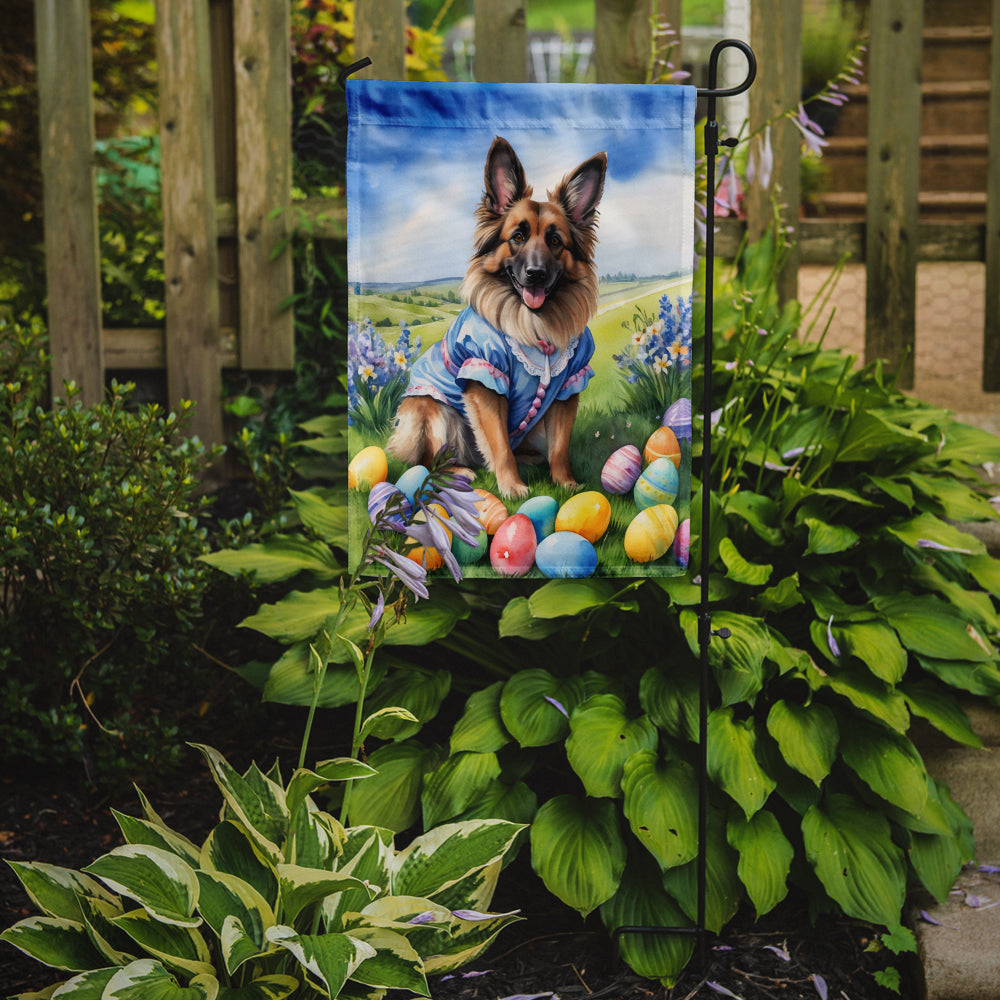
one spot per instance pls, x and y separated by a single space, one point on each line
956 53
957 206
945 12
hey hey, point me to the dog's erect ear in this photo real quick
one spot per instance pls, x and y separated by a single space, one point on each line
504 177
580 192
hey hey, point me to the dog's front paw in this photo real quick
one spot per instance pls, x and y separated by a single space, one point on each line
568 484
512 489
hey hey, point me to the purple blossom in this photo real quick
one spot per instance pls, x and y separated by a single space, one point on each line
820 983
427 917
834 648
475 915
377 612
411 574
552 701
761 163
780 952
927 543
811 132
719 988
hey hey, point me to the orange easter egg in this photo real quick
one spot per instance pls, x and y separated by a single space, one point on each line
491 510
428 555
663 443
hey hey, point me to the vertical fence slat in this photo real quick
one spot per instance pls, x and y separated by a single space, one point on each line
622 40
893 183
501 41
991 332
190 253
776 34
380 34
261 58
72 256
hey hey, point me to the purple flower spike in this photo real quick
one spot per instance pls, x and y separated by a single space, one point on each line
834 648
377 612
411 574
558 705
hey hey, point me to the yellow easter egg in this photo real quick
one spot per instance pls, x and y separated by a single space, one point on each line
367 468
428 555
651 533
491 510
663 443
588 514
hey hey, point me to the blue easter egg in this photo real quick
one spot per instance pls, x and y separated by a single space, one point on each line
541 512
410 481
566 554
657 484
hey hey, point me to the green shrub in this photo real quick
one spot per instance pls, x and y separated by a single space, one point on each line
99 546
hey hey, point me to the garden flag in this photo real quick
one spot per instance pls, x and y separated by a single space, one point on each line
520 272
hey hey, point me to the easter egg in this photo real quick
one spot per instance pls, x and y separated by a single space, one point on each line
678 418
622 469
587 514
650 533
384 495
409 482
682 542
467 554
541 511
656 484
512 551
566 554
663 443
491 510
428 555
367 468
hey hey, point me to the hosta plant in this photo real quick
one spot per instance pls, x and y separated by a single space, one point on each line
279 900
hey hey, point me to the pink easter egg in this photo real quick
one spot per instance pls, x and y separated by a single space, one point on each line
678 418
512 552
622 469
682 542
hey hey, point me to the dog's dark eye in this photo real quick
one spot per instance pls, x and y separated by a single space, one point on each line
518 237
555 241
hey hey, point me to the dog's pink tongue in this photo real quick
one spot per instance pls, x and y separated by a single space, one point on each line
533 297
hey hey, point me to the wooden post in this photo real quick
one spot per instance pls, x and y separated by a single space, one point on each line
623 38
991 333
190 254
501 42
72 255
380 34
261 57
776 34
893 183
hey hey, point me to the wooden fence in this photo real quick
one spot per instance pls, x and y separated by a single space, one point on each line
226 162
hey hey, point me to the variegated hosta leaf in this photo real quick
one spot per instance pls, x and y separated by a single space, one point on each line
367 853
535 706
99 915
481 727
86 986
456 784
476 890
300 887
602 737
578 851
395 964
642 902
732 760
329 959
54 941
230 849
56 891
158 880
888 763
850 847
147 979
315 838
765 858
141 831
466 941
441 857
391 799
225 897
274 987
807 736
661 800
256 801
177 947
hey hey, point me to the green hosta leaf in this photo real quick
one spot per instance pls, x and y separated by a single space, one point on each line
160 882
440 858
481 728
850 848
417 690
888 763
866 692
671 700
828 539
893 488
395 964
941 709
641 901
937 858
765 858
958 502
870 436
291 680
279 558
928 528
965 443
876 646
230 849
760 512
661 799
975 605
516 803
301 887
985 569
386 723
602 738
180 948
54 941
331 959
807 736
785 594
723 889
738 661
327 520
142 831
741 571
56 891
147 979
456 784
976 678
732 760
226 898
578 851
931 628
560 598
530 706
516 620
391 798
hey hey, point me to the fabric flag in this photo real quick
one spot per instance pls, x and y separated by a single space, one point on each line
520 263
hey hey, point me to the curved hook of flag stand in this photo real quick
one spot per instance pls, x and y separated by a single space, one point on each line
705 631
